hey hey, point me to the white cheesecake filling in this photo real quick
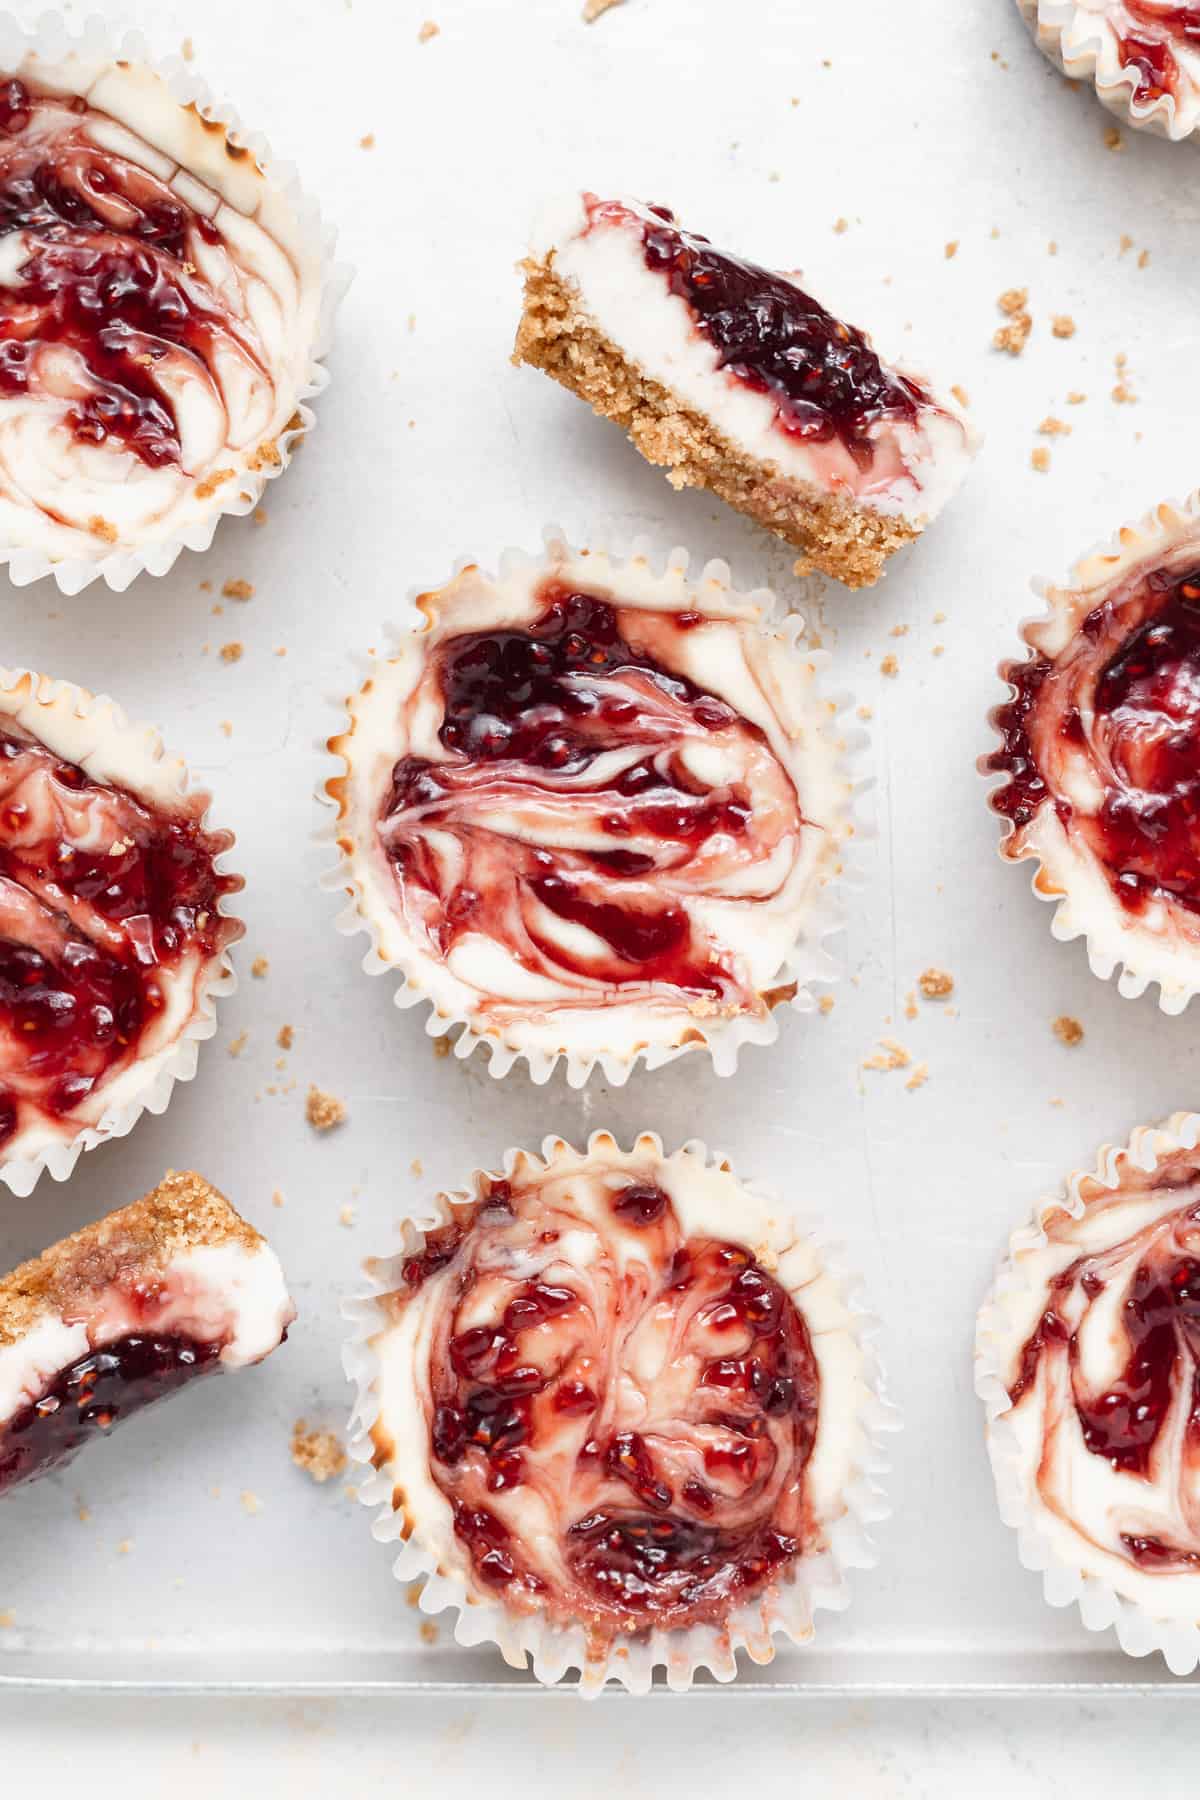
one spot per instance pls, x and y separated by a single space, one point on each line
915 466
1096 1277
250 282
643 1323
530 973
1143 55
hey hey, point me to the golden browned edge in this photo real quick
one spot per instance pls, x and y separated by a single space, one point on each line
181 1212
834 534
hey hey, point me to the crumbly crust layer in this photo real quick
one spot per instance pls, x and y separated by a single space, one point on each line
834 533
183 1211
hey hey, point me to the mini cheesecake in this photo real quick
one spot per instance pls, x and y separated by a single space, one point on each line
736 380
1143 56
591 810
160 302
619 1393
172 1288
1100 751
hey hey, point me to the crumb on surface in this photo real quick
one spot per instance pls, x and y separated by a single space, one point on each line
251 1503
276 1198
1123 393
260 515
918 1078
125 1547
204 490
367 141
910 1006
1052 427
238 1044
1062 325
890 1055
238 590
348 1216
825 1004
951 249
1067 1030
1013 300
865 712
259 967
1013 337
888 665
318 1452
285 1037
1040 460
232 653
429 1631
441 1046
428 30
960 394
323 1111
1113 139
187 49
595 9
840 226
416 1168
935 984
1075 398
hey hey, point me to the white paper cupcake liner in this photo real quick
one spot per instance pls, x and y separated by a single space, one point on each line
1087 908
1080 40
1101 1606
51 38
531 1641
55 711
808 960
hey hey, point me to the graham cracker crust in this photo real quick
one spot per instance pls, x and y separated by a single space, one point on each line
833 532
180 1213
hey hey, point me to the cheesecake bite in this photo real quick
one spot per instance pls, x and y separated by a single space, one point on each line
735 379
1143 56
620 1400
124 1313
591 811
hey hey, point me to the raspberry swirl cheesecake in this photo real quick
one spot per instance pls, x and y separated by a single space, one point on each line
113 936
160 312
1088 1359
736 380
1142 55
124 1313
1100 747
618 1402
591 811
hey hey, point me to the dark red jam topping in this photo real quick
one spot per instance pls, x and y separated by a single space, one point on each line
519 702
1152 62
1146 713
1161 1321
86 1400
76 1012
647 1550
822 374
117 296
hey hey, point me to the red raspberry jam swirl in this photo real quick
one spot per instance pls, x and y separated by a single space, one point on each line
1117 711
1151 57
108 917
95 1393
567 792
823 376
1144 1419
623 1439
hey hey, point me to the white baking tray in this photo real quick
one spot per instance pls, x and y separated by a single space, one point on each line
916 136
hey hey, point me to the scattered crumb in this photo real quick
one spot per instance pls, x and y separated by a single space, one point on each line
125 1547
841 225
83 1513
951 248
1067 1030
232 653
323 1111
825 1004
276 1198
889 665
960 394
427 31
318 1453
1113 139
918 1078
1126 242
187 50
259 967
227 727
890 1055
416 1168
205 489
1123 393
938 650
238 590
1040 460
206 587
865 712
595 9
238 1044
260 515
1075 398
412 1593
441 1046
348 1216
1013 301
7 1620
1013 336
1144 259
429 1631
1052 427
935 984
939 618
1062 325
898 631
1052 248
250 1502
285 1037
1058 1101
367 142
910 1006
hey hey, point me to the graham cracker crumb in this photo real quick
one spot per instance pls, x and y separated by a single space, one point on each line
259 967
226 727
205 489
938 650
918 1078
1062 325
260 515
898 631
1126 242
238 590
125 1547
367 142
825 1005
840 226
960 394
416 1168
238 1044
1144 259
7 1620
251 1503
595 9
1052 427
889 665
1113 139
1013 301
951 249
1067 1030
1123 393
348 1216
264 456
276 1198
1040 459
429 1631
441 1046
318 1453
865 712
910 1006
1074 398
1013 337
286 1036
83 1514
890 1055
187 49
935 984
323 1111
427 31
102 528
232 653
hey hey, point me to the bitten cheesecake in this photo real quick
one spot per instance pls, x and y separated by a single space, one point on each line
734 379
123 1313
